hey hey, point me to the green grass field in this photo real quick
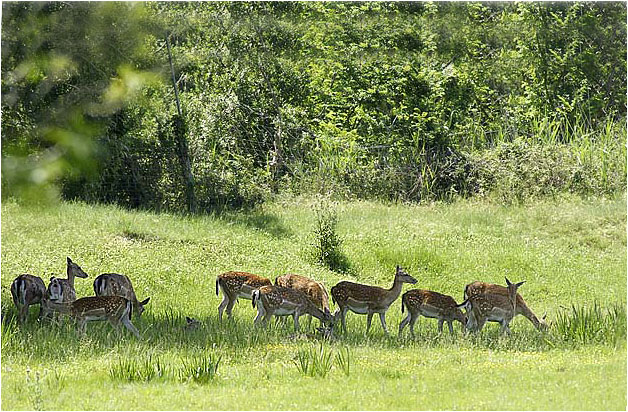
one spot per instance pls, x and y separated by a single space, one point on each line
570 251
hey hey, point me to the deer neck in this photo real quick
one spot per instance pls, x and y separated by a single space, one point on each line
70 278
393 293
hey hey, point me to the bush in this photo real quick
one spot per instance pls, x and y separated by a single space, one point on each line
327 242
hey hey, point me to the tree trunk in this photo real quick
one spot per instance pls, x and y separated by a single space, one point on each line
180 131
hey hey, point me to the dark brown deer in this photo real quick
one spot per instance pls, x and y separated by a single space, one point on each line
27 290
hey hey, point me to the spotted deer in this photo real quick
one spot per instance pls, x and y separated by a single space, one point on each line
492 307
27 290
367 300
314 290
420 302
279 301
113 284
236 285
478 288
67 285
115 309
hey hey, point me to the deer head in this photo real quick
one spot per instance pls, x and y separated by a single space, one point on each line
402 276
512 291
139 308
75 270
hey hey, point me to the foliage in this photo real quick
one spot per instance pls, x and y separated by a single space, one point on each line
387 100
141 369
327 242
200 369
312 362
589 324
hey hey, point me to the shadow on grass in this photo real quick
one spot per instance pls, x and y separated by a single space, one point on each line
257 220
166 331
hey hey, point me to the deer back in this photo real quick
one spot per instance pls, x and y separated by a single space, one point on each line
27 290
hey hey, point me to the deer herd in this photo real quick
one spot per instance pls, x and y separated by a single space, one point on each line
291 295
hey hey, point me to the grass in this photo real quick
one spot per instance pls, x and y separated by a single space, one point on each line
571 252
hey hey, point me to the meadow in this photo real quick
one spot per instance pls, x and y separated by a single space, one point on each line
570 251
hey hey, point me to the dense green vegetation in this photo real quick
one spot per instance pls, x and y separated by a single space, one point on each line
411 101
569 250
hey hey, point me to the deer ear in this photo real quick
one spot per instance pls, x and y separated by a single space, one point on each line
69 260
507 281
544 316
520 283
144 302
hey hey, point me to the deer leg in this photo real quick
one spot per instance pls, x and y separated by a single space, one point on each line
127 323
267 317
451 327
369 318
413 320
404 322
260 313
440 326
232 302
23 313
382 318
295 317
342 312
81 325
222 306
505 327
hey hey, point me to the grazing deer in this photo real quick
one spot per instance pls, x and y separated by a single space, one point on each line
28 290
279 301
430 304
73 270
478 288
236 285
115 309
113 284
314 290
367 300
492 307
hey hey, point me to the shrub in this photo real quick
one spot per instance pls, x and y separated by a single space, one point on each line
327 242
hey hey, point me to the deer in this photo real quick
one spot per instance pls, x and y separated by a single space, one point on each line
27 290
236 285
492 307
67 285
113 284
367 300
280 301
420 302
314 290
478 288
115 309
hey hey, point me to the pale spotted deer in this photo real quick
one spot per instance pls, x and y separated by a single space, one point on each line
279 301
314 290
115 309
236 285
492 307
27 290
478 288
367 300
113 284
420 302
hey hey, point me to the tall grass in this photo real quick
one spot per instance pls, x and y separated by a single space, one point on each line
591 324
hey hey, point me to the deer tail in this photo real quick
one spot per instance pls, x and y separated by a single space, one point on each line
217 279
254 297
